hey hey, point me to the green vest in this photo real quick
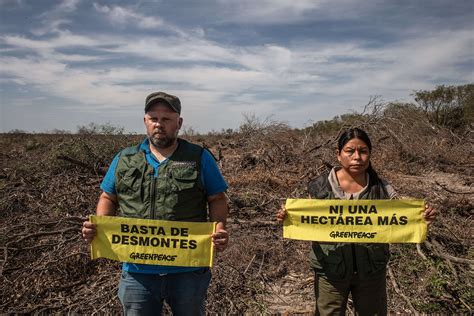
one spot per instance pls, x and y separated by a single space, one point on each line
176 194
342 260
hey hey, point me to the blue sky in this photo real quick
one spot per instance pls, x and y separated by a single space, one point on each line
72 62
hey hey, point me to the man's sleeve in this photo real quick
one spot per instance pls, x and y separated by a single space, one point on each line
108 183
211 177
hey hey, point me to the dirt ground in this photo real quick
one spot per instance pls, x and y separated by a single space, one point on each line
50 183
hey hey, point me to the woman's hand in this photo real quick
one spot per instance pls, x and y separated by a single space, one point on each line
429 214
281 215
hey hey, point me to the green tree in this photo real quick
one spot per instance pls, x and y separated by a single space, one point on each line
451 106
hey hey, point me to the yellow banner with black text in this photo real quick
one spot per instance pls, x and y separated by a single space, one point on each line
168 243
362 221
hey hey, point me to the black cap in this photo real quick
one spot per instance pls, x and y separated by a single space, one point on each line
169 99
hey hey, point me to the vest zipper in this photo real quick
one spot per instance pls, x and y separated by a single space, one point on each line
153 196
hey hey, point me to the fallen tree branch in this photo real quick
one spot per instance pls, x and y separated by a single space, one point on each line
452 191
248 266
399 292
43 234
74 161
4 260
70 285
464 303
95 169
446 256
420 252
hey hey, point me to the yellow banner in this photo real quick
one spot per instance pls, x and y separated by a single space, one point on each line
167 243
363 221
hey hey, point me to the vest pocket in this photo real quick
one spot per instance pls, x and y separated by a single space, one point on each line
330 257
378 254
129 182
184 178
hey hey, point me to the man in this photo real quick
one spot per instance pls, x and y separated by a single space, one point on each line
170 179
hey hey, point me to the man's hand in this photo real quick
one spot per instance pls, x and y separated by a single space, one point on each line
218 211
107 206
220 239
88 231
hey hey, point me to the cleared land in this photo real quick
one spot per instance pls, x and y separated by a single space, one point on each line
50 183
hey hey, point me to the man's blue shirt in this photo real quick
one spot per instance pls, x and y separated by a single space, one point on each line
211 179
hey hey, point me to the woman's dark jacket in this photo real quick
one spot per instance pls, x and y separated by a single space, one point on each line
343 260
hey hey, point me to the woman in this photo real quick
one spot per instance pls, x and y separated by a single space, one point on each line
343 268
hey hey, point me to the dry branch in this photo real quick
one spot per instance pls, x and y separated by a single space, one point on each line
399 292
452 191
420 252
45 233
444 255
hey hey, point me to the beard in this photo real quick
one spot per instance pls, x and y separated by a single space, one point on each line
162 141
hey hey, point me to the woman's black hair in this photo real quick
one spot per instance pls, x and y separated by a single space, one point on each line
362 135
351 134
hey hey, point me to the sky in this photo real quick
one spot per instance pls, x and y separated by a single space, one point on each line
68 63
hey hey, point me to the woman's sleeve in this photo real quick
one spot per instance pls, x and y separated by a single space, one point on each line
392 194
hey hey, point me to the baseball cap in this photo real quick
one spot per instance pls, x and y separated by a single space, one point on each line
169 99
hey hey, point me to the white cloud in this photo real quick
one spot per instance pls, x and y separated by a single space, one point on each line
217 81
48 48
54 21
68 5
122 16
268 68
266 11
83 91
51 25
277 12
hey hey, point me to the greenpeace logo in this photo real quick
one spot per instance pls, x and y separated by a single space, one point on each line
360 235
152 256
